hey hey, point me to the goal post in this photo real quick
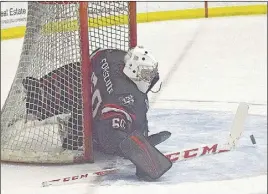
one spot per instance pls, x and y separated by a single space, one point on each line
47 116
86 83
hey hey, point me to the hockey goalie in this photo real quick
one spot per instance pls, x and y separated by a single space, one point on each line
120 83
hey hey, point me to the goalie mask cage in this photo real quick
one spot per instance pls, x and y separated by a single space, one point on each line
49 104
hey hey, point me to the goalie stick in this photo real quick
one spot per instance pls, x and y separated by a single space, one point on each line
233 138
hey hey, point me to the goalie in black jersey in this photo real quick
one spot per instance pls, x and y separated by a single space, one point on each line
120 83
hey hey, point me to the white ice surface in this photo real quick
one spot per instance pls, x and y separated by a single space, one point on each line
207 66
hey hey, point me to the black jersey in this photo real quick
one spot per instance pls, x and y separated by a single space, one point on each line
116 100
113 92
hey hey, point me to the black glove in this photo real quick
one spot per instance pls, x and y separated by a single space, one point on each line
158 138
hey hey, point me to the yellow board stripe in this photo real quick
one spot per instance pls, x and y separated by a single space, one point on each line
18 32
171 15
72 25
14 32
200 13
237 10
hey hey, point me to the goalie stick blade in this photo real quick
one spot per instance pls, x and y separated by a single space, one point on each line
233 138
238 125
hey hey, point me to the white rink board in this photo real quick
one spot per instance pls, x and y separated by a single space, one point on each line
144 7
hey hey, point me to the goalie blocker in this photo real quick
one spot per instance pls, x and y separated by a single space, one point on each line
120 83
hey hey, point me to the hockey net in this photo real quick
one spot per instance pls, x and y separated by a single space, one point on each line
48 108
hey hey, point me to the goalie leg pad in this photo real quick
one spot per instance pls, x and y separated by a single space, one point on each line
148 160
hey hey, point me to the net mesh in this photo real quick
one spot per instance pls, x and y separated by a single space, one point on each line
42 119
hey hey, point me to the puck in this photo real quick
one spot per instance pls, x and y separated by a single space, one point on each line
253 139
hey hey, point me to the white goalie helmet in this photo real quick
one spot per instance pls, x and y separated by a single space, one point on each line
141 67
